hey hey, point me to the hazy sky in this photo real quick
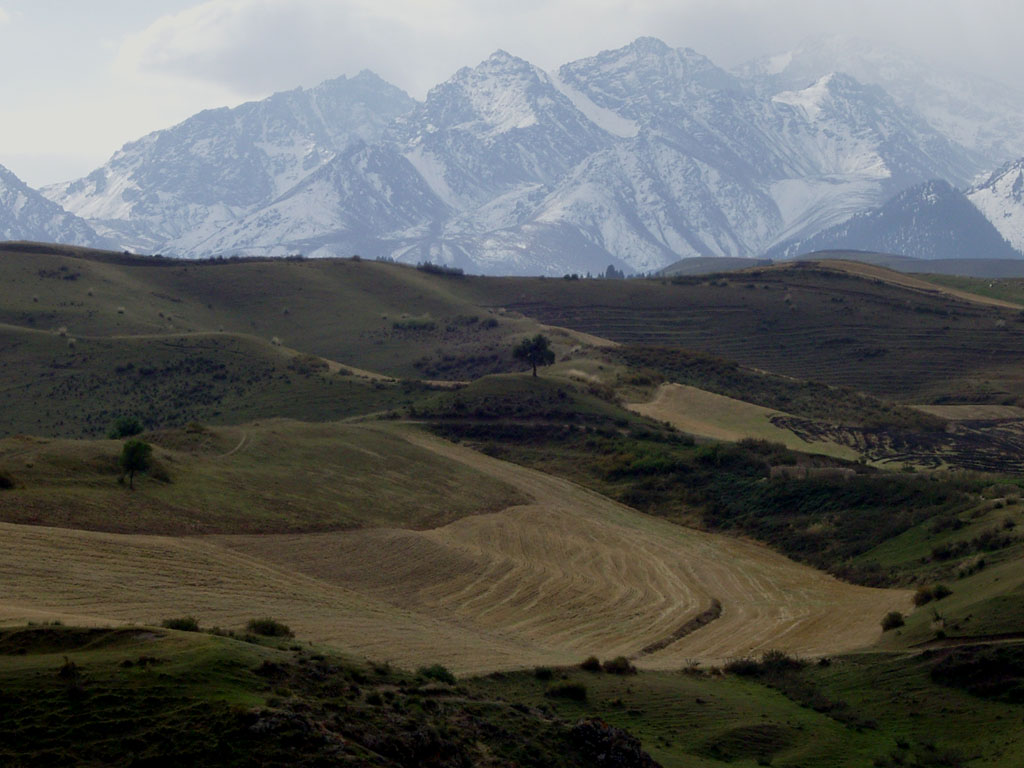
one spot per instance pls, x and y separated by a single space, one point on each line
84 78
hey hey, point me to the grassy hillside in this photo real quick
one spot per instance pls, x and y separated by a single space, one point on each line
270 477
290 404
811 321
153 697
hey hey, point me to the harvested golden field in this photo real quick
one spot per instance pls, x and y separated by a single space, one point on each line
547 582
718 417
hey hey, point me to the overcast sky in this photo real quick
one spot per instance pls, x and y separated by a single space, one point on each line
84 78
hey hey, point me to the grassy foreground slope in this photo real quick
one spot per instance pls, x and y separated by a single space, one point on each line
132 697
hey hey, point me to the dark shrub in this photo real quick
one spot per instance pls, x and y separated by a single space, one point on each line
6 481
543 673
939 591
591 664
572 691
923 596
184 624
746 666
620 665
779 661
437 672
892 620
269 628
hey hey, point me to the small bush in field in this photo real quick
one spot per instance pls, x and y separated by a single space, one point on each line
892 620
269 628
184 624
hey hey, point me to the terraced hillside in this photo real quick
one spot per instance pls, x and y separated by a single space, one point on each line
813 321
563 574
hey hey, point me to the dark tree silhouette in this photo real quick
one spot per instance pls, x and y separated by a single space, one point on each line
535 351
135 456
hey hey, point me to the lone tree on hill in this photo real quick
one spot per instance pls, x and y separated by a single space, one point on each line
135 456
535 351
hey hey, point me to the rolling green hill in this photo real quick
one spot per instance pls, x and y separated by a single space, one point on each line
290 406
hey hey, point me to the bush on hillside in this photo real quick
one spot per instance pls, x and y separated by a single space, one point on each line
620 665
591 664
268 627
437 672
6 481
892 620
183 624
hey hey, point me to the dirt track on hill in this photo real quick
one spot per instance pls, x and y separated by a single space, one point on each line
568 575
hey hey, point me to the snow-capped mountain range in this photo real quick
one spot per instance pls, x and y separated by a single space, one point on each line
27 215
635 157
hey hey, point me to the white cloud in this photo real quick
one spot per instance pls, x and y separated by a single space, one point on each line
254 47
5 17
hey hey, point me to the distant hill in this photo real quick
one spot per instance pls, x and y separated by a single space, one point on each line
710 265
929 221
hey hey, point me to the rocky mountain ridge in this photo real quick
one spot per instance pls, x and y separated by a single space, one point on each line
634 157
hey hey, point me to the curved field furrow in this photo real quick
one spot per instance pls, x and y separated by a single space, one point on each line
568 575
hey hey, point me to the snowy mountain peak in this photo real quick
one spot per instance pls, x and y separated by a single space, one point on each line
984 116
635 156
1001 199
27 215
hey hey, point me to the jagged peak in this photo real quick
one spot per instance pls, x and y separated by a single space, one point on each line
1007 168
648 44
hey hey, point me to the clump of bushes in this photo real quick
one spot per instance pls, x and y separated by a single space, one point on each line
925 595
591 664
183 624
892 620
268 627
620 665
437 672
6 481
543 673
772 662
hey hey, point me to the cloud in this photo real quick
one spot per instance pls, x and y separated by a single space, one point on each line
253 47
5 17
